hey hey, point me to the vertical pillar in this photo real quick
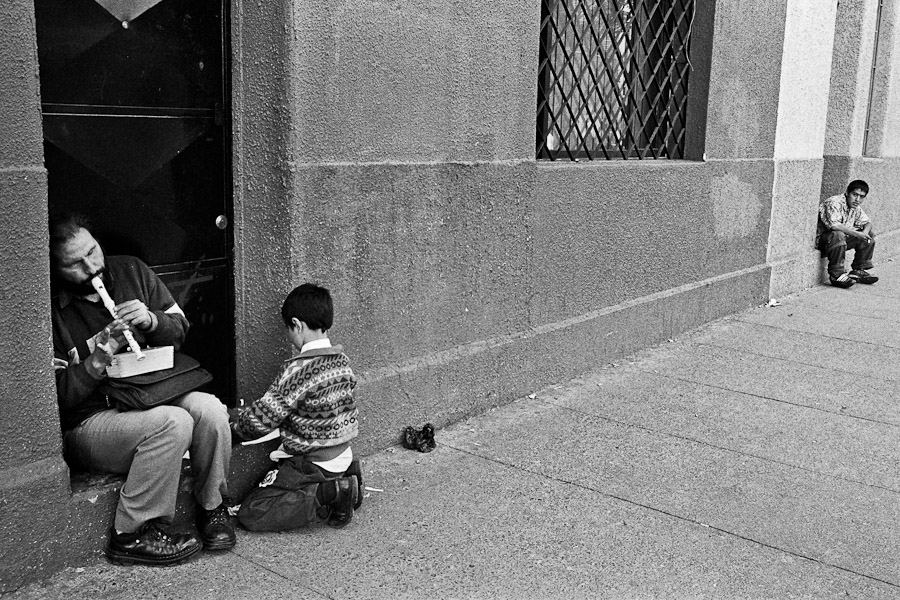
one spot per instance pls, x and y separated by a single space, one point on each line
34 483
262 35
799 143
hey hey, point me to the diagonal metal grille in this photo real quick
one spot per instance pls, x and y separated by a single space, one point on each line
613 79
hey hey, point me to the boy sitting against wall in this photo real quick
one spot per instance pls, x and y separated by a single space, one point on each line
311 404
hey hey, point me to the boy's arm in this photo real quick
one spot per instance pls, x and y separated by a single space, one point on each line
261 417
268 412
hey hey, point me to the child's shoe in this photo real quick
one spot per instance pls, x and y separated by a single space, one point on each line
356 470
346 493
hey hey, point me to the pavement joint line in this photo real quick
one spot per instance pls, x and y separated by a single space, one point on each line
277 574
839 310
726 449
797 362
675 516
779 400
817 334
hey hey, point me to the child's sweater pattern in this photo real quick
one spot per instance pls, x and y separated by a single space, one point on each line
311 401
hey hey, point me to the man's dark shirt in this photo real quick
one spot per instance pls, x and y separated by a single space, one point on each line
77 320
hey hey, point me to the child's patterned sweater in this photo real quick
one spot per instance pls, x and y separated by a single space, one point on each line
311 401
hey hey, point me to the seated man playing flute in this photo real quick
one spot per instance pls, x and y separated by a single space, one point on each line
147 446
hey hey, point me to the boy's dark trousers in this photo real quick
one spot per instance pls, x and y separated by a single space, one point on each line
834 245
286 498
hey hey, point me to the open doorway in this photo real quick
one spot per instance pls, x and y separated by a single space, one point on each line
136 119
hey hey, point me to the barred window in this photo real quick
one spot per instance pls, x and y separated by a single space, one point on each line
613 79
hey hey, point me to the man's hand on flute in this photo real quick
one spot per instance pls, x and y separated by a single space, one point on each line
136 314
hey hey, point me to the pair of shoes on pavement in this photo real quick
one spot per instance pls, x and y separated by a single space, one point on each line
846 280
153 544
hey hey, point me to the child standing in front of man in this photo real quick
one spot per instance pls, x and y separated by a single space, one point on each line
311 404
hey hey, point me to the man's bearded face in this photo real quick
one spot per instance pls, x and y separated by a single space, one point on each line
78 260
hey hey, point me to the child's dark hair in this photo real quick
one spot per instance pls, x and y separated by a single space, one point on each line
311 304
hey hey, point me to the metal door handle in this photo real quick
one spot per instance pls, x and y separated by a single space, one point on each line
222 222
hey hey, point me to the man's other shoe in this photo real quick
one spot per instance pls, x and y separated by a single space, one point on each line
347 492
215 528
863 276
843 281
356 470
151 545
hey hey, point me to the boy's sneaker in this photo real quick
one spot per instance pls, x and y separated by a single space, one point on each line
863 276
842 281
355 469
347 492
151 545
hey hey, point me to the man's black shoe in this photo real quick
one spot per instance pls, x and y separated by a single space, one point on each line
347 492
842 281
151 545
215 528
356 469
862 276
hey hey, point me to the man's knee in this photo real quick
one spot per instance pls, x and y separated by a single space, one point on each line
835 238
205 408
171 423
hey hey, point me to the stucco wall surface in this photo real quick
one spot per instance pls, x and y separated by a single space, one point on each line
609 232
854 43
796 263
799 144
262 183
19 100
805 75
884 120
27 385
744 78
421 257
26 376
34 480
413 81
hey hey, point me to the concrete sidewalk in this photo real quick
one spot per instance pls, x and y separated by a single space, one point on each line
743 460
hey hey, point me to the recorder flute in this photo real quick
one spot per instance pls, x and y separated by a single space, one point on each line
111 307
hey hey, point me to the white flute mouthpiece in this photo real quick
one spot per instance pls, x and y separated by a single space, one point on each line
111 307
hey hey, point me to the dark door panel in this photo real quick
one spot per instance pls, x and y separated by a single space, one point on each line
170 55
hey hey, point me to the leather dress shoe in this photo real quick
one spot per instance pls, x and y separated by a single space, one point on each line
346 497
215 528
151 545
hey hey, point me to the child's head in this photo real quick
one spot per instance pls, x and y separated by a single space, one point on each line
308 305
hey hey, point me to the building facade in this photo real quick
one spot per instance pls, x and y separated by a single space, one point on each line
486 226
